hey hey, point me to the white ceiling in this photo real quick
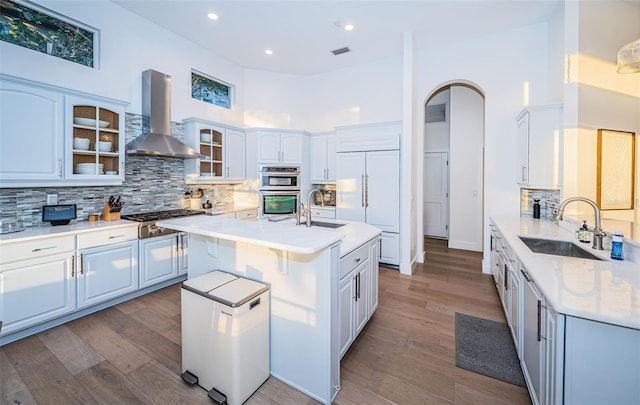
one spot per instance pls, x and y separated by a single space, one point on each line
302 33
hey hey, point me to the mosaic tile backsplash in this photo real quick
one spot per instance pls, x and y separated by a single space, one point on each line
549 201
151 184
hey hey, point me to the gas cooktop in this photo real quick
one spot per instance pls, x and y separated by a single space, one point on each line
160 215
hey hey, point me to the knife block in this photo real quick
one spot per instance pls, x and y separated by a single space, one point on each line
107 215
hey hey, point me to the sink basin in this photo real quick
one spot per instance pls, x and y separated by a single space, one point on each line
557 247
323 224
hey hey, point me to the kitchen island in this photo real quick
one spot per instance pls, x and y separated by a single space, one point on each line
303 267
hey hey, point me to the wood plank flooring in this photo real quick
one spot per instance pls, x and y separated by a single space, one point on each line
130 353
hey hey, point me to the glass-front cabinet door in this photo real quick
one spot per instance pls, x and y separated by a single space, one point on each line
95 142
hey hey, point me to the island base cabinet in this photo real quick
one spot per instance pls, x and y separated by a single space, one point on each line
35 291
602 363
107 272
532 344
163 258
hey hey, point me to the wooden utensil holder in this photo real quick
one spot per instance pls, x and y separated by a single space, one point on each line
107 215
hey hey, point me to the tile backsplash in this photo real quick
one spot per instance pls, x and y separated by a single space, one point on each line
151 183
549 200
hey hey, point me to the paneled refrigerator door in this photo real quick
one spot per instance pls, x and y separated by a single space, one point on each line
382 190
350 186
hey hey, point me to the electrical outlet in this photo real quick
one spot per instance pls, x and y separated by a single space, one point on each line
52 198
216 192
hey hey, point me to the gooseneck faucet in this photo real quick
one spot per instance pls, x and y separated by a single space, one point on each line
598 233
307 212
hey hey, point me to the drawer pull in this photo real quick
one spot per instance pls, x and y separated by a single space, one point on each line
44 248
358 260
116 236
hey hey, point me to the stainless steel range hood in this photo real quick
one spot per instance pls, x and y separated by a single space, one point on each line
156 104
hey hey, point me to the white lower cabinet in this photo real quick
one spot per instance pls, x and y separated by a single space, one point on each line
36 290
357 292
107 272
163 258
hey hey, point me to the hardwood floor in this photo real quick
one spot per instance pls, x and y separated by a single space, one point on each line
130 353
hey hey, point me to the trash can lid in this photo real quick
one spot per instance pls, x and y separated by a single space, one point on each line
238 292
209 281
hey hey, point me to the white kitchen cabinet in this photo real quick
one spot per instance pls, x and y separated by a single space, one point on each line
106 264
374 252
533 353
513 294
223 149
36 282
249 215
543 344
357 293
280 147
31 134
38 124
323 212
107 272
368 190
540 141
100 124
162 258
602 364
323 158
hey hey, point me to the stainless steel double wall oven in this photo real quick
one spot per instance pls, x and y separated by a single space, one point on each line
279 190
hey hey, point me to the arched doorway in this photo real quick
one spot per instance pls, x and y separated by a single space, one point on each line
453 166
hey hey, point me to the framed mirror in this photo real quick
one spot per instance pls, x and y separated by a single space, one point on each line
616 170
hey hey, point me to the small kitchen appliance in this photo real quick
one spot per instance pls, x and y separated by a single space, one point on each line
59 214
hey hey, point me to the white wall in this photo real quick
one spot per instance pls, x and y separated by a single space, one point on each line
596 96
500 65
466 169
129 45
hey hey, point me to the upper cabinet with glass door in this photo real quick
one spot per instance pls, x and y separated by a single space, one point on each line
222 150
52 136
96 141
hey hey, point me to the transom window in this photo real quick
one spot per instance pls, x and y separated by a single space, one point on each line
210 90
43 30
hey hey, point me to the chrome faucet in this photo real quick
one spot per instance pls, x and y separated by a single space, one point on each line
598 233
307 212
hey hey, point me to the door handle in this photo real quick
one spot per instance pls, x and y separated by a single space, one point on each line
366 184
80 264
362 186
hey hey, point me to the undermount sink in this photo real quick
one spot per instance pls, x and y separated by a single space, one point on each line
323 224
557 247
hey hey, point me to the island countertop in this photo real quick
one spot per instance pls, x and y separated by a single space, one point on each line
277 235
605 291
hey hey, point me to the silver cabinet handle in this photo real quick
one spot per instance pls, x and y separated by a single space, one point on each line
362 185
380 248
366 184
526 275
524 173
506 277
227 175
60 168
73 266
44 248
539 334
116 236
80 264
357 286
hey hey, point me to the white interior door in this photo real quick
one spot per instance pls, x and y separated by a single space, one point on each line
436 194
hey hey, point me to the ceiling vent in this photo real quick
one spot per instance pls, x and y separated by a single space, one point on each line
341 50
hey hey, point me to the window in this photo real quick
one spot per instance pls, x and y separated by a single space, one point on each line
47 32
210 90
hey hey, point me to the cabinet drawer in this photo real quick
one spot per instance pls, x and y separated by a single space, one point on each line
107 237
12 252
247 214
353 259
323 213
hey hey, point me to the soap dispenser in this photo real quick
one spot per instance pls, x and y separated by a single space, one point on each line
584 234
536 209
616 246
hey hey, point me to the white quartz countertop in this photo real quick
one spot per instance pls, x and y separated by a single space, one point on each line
46 231
605 291
283 235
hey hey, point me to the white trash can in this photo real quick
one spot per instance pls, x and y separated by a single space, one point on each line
225 335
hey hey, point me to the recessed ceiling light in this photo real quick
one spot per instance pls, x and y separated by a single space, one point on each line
268 51
212 16
349 27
